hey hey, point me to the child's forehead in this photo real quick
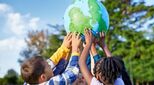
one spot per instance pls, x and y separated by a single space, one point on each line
45 62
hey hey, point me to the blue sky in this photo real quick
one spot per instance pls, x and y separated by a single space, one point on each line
19 16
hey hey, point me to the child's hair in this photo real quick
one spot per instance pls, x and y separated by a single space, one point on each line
108 69
32 69
125 76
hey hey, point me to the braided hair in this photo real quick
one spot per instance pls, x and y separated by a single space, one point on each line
124 73
107 70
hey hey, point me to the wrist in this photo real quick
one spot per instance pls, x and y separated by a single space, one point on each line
67 45
89 44
74 50
103 45
65 48
75 54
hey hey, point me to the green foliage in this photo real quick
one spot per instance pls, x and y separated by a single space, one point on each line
127 41
11 78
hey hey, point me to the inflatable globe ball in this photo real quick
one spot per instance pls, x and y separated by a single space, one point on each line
86 14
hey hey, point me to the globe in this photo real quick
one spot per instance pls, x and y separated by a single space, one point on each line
86 14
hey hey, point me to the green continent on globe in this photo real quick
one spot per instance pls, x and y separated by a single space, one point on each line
96 15
76 23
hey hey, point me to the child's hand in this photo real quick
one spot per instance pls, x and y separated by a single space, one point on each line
93 48
76 41
101 40
67 40
94 42
88 37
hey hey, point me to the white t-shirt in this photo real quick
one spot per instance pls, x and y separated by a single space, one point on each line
94 81
118 81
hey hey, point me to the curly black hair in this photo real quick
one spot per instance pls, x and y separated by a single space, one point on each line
108 69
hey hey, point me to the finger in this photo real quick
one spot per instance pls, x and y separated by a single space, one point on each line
69 36
100 34
90 33
103 34
85 30
80 38
74 34
78 35
70 40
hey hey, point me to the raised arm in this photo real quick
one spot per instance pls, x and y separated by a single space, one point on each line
101 43
82 61
63 51
72 70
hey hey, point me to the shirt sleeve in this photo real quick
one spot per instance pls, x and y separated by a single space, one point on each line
60 67
96 58
62 52
88 62
69 75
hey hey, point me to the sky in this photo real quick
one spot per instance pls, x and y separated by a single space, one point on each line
19 16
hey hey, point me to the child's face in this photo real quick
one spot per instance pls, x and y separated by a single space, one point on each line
48 70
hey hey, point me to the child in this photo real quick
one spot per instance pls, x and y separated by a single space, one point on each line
37 71
123 73
106 70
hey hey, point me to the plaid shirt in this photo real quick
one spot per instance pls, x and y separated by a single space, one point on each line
88 61
68 76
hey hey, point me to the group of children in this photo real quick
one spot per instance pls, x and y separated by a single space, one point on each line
71 64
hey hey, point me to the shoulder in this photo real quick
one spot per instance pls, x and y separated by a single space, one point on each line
119 81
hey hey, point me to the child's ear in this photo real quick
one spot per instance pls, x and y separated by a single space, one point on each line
42 78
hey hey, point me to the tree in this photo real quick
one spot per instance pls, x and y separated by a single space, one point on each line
11 78
36 42
127 40
42 43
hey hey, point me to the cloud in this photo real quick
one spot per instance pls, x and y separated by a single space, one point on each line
16 25
4 8
11 44
149 2
9 52
33 23
20 24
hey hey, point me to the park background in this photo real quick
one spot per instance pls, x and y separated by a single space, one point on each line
29 27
